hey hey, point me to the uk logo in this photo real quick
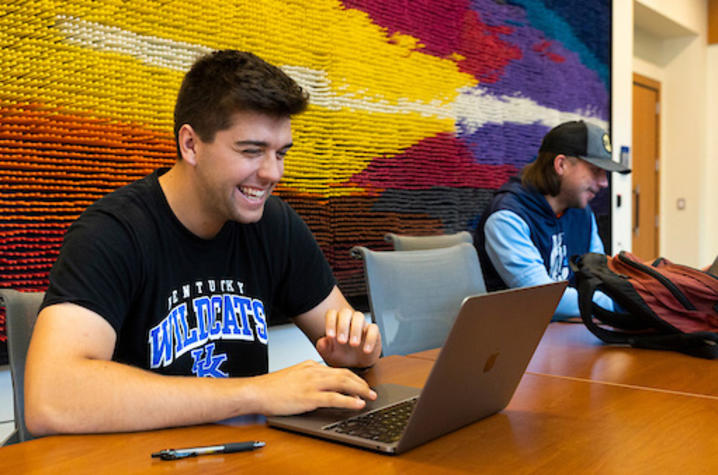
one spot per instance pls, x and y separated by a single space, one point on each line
559 258
206 364
191 325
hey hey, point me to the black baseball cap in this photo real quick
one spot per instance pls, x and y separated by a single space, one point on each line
584 140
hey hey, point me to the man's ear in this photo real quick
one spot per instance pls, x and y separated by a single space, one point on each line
188 140
560 162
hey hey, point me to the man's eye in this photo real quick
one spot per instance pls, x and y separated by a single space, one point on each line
251 151
282 153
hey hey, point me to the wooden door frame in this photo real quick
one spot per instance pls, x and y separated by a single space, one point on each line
641 80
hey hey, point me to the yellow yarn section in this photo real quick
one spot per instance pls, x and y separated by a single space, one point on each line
121 60
46 68
318 34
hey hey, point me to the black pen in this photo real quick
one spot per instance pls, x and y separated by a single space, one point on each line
173 454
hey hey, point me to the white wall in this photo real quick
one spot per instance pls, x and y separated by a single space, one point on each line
678 58
689 13
684 148
621 119
710 186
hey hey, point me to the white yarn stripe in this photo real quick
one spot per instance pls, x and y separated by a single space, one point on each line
152 50
472 108
475 108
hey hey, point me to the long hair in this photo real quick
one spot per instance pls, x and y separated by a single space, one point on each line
540 174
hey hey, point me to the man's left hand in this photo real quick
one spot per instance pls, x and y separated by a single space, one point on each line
349 341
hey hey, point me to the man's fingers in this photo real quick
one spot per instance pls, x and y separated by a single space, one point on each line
345 382
332 399
310 385
330 323
371 337
345 325
344 320
357 328
337 387
348 340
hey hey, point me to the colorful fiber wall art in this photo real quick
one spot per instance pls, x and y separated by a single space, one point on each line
419 109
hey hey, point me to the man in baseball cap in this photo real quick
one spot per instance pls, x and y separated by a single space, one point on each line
538 220
584 140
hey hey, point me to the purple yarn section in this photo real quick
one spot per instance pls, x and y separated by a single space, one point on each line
507 143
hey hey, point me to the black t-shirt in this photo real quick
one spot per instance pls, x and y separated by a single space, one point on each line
181 304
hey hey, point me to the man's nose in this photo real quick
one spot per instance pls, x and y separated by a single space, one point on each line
602 179
272 167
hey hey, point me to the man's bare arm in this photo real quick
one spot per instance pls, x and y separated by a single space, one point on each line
72 386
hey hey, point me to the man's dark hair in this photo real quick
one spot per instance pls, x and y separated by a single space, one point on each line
225 82
540 174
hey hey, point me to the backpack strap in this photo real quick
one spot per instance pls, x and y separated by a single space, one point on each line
700 344
587 284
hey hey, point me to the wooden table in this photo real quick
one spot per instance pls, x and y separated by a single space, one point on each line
552 425
570 350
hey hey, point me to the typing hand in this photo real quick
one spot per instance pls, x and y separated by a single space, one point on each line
349 341
311 385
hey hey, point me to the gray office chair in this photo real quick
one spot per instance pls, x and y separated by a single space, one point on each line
20 314
404 242
415 295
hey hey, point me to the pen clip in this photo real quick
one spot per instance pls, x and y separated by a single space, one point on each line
171 454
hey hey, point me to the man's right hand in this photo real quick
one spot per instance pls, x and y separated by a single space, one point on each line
307 386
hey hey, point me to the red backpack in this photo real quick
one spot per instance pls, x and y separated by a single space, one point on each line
666 306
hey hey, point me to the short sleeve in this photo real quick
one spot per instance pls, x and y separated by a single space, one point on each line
97 268
596 243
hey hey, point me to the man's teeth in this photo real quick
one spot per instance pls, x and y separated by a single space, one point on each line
252 192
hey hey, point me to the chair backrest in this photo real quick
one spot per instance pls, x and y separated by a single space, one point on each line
403 242
415 295
21 310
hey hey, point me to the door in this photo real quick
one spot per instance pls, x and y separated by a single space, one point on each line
645 166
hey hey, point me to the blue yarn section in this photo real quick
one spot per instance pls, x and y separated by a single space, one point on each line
587 32
590 20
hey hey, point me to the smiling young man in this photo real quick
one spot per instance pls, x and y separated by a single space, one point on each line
537 221
158 305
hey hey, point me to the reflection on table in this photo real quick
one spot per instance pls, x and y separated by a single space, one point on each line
571 350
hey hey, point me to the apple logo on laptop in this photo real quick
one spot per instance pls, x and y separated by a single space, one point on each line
490 362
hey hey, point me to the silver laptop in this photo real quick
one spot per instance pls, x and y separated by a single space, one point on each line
474 376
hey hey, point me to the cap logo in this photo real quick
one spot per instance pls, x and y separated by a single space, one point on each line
606 143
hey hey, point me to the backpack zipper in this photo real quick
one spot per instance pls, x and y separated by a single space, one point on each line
660 278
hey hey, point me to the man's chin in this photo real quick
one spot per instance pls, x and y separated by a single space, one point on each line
588 199
249 217
579 204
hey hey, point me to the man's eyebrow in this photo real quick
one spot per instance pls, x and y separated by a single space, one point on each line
259 143
256 143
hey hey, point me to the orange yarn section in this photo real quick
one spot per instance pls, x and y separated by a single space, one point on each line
55 164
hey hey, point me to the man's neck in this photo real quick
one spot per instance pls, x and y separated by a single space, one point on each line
556 204
182 196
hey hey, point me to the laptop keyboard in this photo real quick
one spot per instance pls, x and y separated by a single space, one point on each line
382 425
